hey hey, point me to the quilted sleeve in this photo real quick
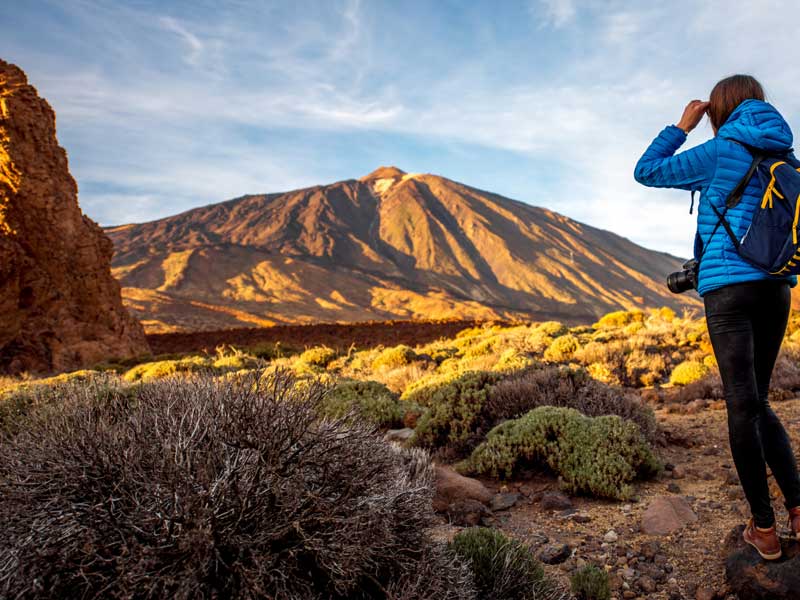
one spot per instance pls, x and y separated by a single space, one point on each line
659 166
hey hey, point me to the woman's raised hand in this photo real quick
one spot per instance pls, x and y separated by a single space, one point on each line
692 114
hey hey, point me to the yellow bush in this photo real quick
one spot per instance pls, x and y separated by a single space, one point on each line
687 372
318 356
551 328
603 372
666 313
562 348
710 361
482 348
166 368
619 318
512 359
391 358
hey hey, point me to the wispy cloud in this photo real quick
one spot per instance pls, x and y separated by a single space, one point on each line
195 46
555 12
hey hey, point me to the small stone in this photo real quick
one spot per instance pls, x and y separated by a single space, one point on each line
731 478
647 585
553 554
628 573
673 487
629 594
705 593
650 548
626 508
503 501
581 518
678 472
555 501
672 582
610 537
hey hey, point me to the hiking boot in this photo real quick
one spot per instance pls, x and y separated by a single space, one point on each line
765 541
794 521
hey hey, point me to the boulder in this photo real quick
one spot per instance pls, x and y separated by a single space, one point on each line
666 514
452 487
749 576
60 307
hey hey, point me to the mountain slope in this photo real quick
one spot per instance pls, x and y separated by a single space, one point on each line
389 245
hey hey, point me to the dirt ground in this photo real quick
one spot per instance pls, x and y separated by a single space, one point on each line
689 563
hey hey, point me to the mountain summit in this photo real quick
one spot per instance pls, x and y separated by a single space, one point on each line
389 245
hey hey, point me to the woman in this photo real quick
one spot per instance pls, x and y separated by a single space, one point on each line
746 308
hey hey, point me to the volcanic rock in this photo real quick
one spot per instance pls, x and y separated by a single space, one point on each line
60 308
749 576
452 487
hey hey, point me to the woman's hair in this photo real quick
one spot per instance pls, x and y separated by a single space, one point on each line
728 94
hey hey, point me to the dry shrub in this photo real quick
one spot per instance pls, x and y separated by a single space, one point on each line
204 489
708 387
566 387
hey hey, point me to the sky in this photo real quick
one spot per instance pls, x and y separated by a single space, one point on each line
164 106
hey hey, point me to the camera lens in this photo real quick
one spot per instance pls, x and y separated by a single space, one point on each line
680 281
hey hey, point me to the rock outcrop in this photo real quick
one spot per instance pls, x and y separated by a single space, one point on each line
749 576
60 308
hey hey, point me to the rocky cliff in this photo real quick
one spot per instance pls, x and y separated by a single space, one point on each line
60 308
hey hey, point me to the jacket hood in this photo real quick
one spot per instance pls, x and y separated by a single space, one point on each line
759 124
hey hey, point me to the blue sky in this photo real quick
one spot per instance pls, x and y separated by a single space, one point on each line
163 106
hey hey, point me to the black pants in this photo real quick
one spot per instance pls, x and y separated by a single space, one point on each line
746 324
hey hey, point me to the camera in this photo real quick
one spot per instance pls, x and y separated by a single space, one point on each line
686 279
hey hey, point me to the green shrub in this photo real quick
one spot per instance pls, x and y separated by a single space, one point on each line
167 368
392 358
202 488
371 400
591 583
453 404
504 568
562 348
319 356
599 456
687 372
568 387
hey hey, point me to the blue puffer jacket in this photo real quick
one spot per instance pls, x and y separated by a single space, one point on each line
714 168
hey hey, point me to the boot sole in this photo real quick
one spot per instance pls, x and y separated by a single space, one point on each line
764 555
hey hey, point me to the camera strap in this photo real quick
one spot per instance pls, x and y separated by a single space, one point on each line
733 198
